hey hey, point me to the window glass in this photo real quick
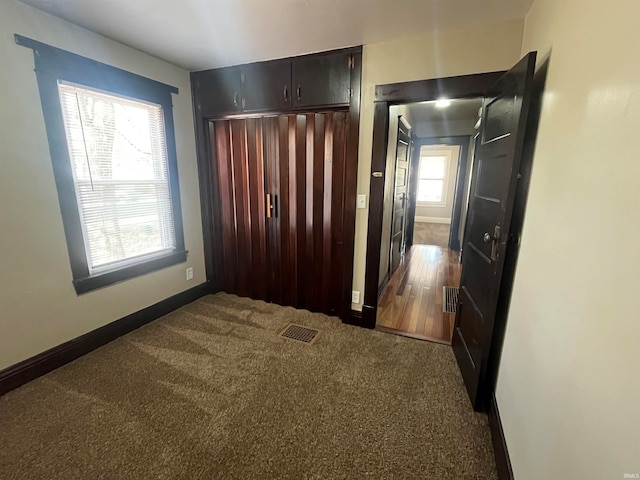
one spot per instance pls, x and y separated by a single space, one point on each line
431 178
432 167
119 162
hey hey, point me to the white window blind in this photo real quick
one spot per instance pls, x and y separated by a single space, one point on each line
119 161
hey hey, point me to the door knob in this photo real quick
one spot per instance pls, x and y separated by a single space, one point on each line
494 240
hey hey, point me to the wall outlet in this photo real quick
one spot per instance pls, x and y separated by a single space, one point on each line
190 273
355 296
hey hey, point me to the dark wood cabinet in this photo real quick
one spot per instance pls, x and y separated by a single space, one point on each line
278 178
217 91
323 79
279 86
266 86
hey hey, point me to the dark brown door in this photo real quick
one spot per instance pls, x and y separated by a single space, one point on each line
266 86
239 154
494 181
281 182
400 195
321 80
225 82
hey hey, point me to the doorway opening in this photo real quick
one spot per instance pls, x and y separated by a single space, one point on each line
426 191
497 197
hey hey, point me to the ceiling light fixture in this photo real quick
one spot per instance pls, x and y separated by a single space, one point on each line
443 103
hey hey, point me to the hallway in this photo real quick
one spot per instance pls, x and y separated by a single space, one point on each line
412 302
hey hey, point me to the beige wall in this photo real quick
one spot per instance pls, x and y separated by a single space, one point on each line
569 387
473 49
38 305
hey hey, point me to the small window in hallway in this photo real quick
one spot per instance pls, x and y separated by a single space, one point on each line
431 179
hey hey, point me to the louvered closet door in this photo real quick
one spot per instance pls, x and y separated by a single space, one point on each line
242 206
295 257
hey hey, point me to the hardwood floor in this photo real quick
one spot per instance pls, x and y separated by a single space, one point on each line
412 302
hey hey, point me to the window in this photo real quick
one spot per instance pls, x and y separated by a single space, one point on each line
431 179
119 164
113 152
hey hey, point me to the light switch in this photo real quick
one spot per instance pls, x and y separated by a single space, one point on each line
362 201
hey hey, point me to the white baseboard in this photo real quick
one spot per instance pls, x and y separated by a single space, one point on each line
433 220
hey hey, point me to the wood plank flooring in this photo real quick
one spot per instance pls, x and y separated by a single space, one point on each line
412 302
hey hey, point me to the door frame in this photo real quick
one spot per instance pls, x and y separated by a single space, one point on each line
462 141
464 86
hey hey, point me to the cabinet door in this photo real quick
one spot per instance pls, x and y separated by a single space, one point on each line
286 247
321 80
266 86
240 166
217 91
308 155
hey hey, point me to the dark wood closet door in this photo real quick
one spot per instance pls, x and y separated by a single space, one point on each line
239 152
281 181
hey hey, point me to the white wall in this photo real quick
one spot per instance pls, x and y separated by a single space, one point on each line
39 308
472 49
569 385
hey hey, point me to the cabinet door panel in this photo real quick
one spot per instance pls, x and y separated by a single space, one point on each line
311 201
292 254
217 91
238 152
321 80
266 86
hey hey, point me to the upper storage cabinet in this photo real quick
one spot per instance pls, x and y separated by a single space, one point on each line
266 86
322 79
278 86
217 92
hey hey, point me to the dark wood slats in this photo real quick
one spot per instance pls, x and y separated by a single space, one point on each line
272 172
257 210
300 199
338 226
327 196
296 257
241 186
227 206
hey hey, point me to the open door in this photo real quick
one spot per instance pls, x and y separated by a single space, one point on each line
400 194
495 176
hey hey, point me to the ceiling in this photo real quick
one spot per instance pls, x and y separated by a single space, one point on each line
459 110
200 34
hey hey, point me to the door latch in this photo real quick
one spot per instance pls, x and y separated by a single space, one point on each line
494 240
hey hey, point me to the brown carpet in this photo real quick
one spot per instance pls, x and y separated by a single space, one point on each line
211 392
431 234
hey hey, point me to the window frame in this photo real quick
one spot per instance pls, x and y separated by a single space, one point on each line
53 65
445 190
